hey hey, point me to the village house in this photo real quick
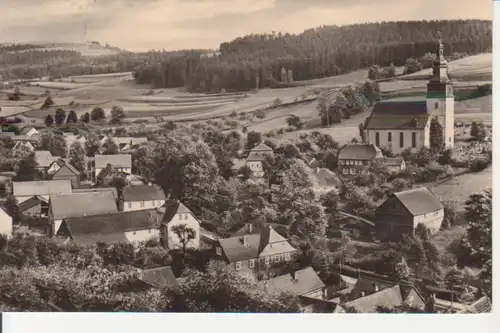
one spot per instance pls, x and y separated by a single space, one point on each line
118 162
304 282
43 159
352 158
256 256
6 226
402 212
71 205
23 191
97 189
31 133
138 197
177 214
63 170
21 142
125 144
36 206
393 164
405 123
158 278
256 157
110 228
72 138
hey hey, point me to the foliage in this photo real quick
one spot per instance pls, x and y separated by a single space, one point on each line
478 213
184 234
92 144
47 103
117 114
49 120
28 169
60 116
478 131
12 208
77 157
109 146
253 139
72 117
295 122
97 114
436 135
54 143
478 164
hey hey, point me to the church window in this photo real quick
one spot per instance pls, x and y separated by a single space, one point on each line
377 139
389 137
414 140
436 105
401 140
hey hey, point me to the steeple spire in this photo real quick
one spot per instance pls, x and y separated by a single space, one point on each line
440 48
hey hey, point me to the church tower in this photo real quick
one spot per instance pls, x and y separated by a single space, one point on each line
440 96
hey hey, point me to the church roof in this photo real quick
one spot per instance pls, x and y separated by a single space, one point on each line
399 115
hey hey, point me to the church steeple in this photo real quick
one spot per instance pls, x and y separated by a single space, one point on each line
440 65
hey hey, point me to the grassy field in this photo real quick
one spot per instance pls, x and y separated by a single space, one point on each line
473 68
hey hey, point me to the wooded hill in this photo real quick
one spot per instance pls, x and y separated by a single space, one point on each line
315 53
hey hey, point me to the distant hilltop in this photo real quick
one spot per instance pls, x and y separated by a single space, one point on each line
86 49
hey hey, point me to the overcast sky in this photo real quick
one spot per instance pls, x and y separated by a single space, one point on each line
177 24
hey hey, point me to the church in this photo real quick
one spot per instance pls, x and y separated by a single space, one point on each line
403 123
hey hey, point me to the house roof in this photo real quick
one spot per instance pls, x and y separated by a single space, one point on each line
419 201
30 203
269 236
172 208
160 277
305 281
25 130
391 161
64 162
9 134
397 114
117 161
235 249
143 193
262 147
327 178
365 152
256 156
111 223
97 189
314 163
390 297
81 204
482 305
41 187
43 158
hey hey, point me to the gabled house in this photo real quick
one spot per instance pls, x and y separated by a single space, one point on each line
394 164
257 256
63 170
36 206
352 158
111 228
401 213
30 132
158 278
177 214
23 191
137 197
98 189
125 144
71 205
256 157
304 282
6 226
369 294
118 162
21 142
44 159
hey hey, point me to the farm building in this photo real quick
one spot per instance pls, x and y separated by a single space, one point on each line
256 157
352 158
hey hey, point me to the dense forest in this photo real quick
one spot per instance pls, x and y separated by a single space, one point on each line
261 60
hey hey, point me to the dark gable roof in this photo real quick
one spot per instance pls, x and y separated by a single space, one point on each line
172 208
366 152
113 223
262 147
256 156
160 277
30 203
390 297
419 201
143 193
235 250
482 305
304 281
398 115
82 204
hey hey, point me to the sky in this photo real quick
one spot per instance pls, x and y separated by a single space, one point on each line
141 25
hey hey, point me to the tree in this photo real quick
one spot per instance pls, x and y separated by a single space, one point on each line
436 135
478 214
12 208
253 139
77 157
294 121
117 114
28 169
72 117
85 118
109 147
60 116
49 120
97 114
92 144
477 131
47 103
184 234
56 144
245 172
455 280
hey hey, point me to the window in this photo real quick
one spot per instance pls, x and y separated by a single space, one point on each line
401 140
389 137
152 203
353 171
130 205
218 251
251 263
377 139
142 204
237 265
449 139
287 256
185 216
277 258
266 260
345 171
180 216
414 140
436 105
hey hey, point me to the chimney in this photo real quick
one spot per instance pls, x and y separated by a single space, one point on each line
249 228
375 286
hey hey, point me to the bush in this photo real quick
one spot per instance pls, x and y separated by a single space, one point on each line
277 102
260 114
479 164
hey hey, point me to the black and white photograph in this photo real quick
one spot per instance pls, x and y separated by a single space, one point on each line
246 156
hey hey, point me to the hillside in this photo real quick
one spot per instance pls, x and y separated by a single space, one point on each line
314 54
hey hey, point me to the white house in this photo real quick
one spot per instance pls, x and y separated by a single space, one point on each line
125 143
23 191
140 197
31 133
22 142
64 206
256 157
5 223
119 162
404 123
178 214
